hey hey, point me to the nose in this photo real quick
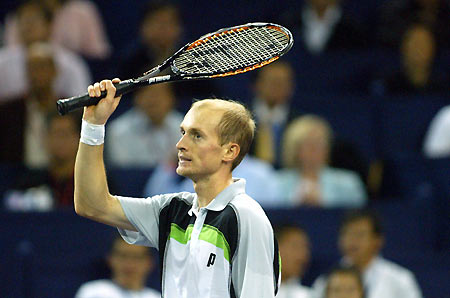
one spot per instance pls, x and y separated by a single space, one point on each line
181 143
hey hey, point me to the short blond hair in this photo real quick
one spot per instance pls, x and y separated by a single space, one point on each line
296 133
235 126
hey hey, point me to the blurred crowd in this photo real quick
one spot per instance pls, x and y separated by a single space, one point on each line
54 49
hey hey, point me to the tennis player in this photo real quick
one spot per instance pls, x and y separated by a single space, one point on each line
214 243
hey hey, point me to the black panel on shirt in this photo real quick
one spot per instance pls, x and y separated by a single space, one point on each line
226 222
276 264
176 212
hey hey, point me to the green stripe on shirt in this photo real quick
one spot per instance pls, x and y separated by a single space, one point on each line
208 233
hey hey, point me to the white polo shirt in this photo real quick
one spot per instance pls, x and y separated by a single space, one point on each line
226 249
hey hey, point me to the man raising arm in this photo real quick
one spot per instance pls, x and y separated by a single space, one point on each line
92 197
214 243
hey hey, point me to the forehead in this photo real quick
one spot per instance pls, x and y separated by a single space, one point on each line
359 224
203 117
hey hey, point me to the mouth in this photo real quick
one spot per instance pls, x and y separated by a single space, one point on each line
183 158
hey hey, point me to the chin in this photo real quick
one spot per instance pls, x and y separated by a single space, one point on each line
182 172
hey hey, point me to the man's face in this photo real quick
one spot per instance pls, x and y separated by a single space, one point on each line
130 264
162 29
275 84
199 152
155 101
33 27
418 47
295 253
314 149
359 243
342 285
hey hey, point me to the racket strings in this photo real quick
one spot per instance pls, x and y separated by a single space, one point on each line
232 50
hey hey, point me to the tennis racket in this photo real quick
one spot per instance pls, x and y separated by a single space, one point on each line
226 52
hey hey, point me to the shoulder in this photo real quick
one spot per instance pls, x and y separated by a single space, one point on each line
175 116
12 54
249 213
104 286
340 174
287 174
151 293
393 271
443 116
122 123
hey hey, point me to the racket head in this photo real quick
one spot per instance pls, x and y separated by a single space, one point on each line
233 50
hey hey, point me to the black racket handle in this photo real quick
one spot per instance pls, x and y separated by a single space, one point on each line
67 105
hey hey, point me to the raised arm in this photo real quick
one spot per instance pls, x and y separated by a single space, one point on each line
92 197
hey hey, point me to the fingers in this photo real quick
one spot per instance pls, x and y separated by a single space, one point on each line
105 85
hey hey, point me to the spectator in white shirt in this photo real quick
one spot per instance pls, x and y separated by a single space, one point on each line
307 179
131 141
130 265
274 87
437 140
294 246
344 282
360 241
77 26
34 23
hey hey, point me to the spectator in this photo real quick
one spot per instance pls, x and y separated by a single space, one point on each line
34 23
259 177
307 179
418 74
344 282
273 88
51 187
360 242
152 118
159 37
295 253
22 137
130 265
437 139
397 15
323 25
77 26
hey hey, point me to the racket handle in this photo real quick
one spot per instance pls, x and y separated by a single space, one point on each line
67 105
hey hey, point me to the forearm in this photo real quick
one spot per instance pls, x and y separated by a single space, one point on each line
91 188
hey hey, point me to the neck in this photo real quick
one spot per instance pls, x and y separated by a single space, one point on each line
310 173
133 284
364 264
321 10
44 96
207 189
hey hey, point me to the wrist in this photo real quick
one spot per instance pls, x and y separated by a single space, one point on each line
92 134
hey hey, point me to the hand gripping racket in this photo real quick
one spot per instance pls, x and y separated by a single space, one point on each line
226 52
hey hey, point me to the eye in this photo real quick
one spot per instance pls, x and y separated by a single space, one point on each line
182 132
197 136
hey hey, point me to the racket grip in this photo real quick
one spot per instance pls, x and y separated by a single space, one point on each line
67 105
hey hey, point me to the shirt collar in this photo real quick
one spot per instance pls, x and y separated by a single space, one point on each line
223 198
276 115
371 270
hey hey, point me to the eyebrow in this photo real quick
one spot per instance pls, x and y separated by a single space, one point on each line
193 130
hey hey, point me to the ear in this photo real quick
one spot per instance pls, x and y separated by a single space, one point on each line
231 152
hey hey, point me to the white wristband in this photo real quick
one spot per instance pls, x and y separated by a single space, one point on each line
92 134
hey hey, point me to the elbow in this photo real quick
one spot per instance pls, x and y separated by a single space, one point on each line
81 209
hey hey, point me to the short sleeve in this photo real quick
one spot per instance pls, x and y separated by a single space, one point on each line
143 214
256 262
